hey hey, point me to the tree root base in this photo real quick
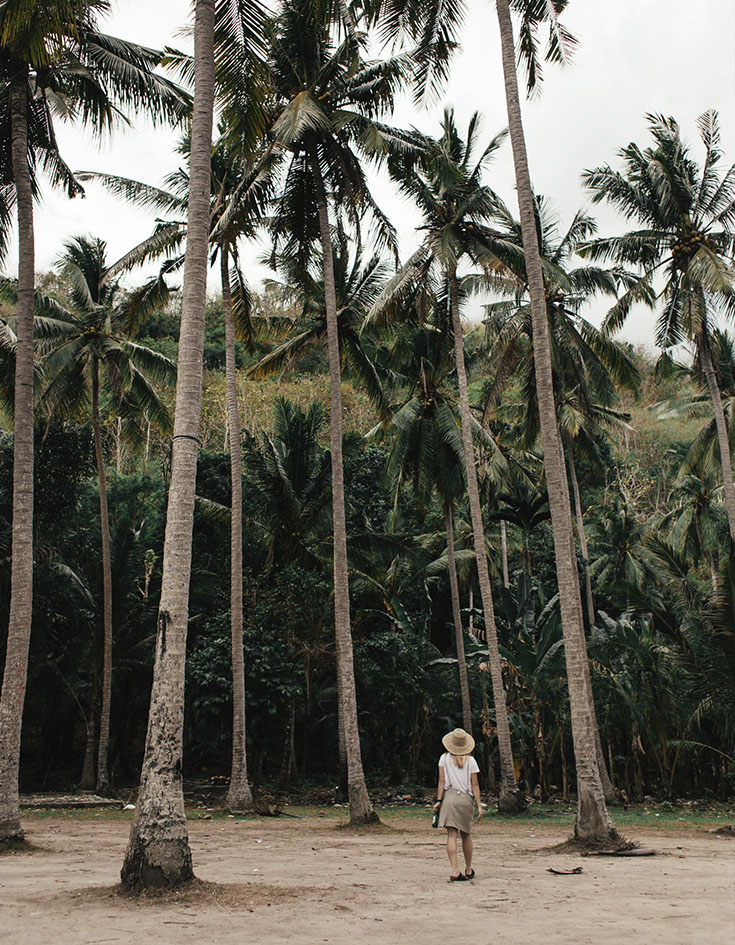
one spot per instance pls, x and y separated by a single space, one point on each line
156 865
613 843
513 802
16 844
365 820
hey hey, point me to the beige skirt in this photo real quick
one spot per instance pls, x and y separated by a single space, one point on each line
456 810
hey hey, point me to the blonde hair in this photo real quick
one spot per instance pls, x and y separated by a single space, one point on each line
459 760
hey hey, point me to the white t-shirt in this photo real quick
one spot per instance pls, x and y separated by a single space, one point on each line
458 779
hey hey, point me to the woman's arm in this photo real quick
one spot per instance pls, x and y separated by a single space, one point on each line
476 791
440 788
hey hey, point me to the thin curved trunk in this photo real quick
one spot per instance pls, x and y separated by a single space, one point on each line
607 786
504 552
239 796
464 686
343 789
593 821
15 674
581 535
510 796
158 854
723 439
118 447
87 778
361 810
103 778
288 758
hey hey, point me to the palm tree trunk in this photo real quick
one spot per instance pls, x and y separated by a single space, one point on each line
118 447
288 758
504 552
464 686
158 853
722 435
103 778
21 568
581 535
593 821
87 779
239 796
361 810
510 797
607 786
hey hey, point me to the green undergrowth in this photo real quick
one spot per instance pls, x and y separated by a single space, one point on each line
628 820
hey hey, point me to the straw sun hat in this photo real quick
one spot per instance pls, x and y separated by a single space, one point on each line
458 742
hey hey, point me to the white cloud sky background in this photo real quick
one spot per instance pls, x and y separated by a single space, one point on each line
635 56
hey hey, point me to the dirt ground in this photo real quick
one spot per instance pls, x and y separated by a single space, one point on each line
310 881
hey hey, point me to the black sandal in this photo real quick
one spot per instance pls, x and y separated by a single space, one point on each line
459 878
470 875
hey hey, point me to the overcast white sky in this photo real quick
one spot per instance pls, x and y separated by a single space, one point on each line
635 56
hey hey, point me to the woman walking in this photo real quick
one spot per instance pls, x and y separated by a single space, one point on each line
458 785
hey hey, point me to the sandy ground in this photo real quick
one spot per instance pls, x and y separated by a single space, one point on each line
308 882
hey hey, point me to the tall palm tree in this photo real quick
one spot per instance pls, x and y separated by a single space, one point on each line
288 473
444 179
158 853
327 99
692 520
357 282
95 350
427 446
525 506
53 61
686 216
433 28
704 451
620 562
242 181
593 821
588 366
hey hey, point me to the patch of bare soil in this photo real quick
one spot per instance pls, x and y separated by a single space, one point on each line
197 893
308 882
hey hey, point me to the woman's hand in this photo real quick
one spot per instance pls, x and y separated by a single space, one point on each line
480 812
437 805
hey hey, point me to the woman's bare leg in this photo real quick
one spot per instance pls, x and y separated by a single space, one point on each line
452 849
467 851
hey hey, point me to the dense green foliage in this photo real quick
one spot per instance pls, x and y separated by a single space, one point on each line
662 650
302 117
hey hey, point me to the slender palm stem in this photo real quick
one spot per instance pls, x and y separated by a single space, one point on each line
607 786
87 778
581 535
504 552
721 426
103 778
509 794
593 820
21 569
239 796
158 851
464 686
360 807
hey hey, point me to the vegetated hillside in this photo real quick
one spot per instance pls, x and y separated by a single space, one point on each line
401 608
650 453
